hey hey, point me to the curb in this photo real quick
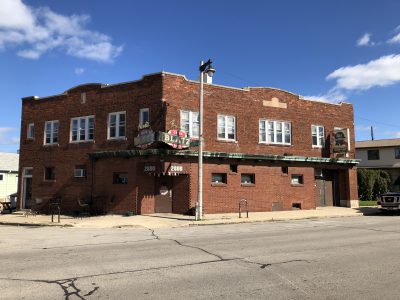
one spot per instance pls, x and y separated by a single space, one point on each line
191 224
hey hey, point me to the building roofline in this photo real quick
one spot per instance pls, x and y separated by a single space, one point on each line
162 73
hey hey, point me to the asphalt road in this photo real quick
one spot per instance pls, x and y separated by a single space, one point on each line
341 258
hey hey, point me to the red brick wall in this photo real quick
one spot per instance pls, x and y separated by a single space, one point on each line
247 107
129 97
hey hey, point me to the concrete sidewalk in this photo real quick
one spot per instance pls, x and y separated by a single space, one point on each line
174 220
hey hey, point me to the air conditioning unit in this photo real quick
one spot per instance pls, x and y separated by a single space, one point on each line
79 173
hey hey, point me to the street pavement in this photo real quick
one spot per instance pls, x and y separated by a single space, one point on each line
331 258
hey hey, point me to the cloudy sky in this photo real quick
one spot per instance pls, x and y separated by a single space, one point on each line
323 50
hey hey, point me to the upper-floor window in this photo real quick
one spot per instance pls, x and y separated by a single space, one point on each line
373 154
82 129
190 123
226 128
397 153
275 132
144 116
318 135
116 125
31 131
51 132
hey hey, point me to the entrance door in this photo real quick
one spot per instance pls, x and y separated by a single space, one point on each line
27 188
163 195
324 192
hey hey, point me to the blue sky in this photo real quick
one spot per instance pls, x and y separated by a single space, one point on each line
325 50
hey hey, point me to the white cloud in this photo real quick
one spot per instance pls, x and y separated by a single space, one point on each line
332 96
37 31
79 71
383 71
6 136
365 40
396 38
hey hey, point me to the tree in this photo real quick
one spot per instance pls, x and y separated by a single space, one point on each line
372 183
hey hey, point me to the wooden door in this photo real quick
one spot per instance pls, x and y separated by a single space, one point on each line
163 195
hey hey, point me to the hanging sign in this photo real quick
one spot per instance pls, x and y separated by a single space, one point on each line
340 143
145 137
175 138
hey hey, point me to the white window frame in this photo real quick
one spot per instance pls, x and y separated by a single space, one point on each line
78 119
142 110
191 122
29 135
52 132
225 138
319 144
274 142
117 125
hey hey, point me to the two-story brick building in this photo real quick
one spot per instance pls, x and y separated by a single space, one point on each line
265 145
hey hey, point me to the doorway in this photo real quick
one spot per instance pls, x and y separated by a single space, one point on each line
27 188
163 194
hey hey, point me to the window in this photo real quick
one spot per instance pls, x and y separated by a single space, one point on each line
31 131
248 179
144 116
120 178
297 179
318 136
397 153
82 129
373 154
116 125
83 98
218 178
275 132
1 177
190 123
49 173
226 128
80 172
51 132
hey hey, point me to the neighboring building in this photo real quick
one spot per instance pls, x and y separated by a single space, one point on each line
381 154
263 144
8 176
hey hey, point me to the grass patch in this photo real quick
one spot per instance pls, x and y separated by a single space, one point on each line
368 203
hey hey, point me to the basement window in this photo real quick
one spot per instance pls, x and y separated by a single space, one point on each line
218 178
248 179
297 180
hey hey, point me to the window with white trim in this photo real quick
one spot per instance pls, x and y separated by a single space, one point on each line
50 132
275 132
31 131
190 123
318 135
116 125
82 129
144 116
226 128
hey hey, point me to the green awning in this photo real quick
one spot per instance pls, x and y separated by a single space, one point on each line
209 154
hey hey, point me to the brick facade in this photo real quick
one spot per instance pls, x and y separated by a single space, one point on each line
166 95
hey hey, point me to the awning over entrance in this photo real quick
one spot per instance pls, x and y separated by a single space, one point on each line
209 154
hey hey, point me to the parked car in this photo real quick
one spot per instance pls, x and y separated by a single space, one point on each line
390 201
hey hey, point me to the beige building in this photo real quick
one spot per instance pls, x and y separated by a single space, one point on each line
381 154
8 176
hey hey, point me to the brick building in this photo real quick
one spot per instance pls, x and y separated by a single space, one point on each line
109 145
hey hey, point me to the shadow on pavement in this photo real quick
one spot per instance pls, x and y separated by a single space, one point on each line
375 211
